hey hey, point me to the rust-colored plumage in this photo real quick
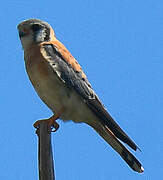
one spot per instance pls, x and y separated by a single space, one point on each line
62 85
66 55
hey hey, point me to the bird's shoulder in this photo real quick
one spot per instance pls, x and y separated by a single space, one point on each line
66 55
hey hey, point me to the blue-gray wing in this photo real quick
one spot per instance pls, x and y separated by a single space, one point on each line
73 79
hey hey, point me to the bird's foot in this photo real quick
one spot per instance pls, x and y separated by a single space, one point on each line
51 123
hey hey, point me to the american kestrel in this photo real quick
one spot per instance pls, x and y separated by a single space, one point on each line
62 85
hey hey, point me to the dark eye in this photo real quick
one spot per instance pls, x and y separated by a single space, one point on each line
36 27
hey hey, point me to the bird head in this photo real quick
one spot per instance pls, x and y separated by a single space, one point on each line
35 31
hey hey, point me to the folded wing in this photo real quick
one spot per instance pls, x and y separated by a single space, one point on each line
69 71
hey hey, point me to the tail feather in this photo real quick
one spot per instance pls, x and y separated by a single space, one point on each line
106 119
110 138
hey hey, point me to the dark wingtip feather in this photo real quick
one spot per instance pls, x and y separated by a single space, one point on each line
106 119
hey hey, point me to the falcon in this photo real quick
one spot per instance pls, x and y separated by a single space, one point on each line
62 85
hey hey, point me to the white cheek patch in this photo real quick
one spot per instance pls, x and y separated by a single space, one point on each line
26 41
40 36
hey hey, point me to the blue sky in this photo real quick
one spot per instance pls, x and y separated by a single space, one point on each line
119 45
